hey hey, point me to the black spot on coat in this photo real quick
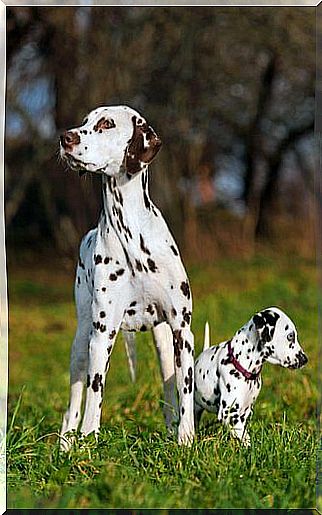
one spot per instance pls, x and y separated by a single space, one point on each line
185 289
174 250
152 266
143 247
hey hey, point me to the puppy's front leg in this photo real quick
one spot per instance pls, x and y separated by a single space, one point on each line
240 432
236 419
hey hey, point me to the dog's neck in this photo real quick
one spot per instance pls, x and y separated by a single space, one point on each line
245 349
127 206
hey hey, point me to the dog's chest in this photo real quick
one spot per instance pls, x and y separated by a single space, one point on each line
144 277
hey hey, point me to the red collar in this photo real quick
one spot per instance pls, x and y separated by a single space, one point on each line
239 367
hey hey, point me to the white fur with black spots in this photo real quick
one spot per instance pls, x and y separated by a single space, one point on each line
130 274
228 376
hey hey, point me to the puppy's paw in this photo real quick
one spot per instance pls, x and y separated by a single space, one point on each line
246 440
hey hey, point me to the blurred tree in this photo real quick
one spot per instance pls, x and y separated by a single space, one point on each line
220 85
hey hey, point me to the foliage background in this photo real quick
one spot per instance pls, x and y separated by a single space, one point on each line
229 90
231 93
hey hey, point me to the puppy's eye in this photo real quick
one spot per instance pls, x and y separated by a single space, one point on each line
291 337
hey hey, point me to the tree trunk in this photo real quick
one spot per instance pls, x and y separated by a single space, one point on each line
267 201
253 141
269 192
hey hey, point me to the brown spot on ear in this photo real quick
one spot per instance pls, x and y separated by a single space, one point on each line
136 152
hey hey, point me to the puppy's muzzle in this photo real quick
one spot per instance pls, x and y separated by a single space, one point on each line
301 360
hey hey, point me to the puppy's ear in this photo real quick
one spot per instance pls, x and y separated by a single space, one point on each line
142 148
258 321
265 323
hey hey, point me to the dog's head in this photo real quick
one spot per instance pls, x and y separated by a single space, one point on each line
111 140
277 339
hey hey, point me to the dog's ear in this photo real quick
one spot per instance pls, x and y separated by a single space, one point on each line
142 148
265 323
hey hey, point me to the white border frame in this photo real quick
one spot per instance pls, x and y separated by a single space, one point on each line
165 3
3 274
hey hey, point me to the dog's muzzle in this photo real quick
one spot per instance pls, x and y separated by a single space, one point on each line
69 139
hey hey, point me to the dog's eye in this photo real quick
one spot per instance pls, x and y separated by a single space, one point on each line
104 123
108 124
291 337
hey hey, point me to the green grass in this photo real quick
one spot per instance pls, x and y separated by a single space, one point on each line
135 464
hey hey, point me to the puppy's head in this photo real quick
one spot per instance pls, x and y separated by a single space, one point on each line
277 339
111 140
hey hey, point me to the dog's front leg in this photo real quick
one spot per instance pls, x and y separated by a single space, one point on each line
105 329
183 341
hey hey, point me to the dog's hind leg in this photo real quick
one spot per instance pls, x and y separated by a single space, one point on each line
198 411
163 339
130 348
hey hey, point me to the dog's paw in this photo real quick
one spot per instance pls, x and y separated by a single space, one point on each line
67 440
185 440
186 435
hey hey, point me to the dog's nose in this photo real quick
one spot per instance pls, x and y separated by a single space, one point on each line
68 139
302 359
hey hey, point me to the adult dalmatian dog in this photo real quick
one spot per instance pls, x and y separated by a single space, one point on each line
228 376
129 275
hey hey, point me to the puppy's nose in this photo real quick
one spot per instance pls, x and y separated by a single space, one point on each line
68 139
302 359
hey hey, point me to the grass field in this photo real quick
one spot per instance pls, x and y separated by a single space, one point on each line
135 465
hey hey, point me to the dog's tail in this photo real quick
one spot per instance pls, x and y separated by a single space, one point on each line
130 347
206 341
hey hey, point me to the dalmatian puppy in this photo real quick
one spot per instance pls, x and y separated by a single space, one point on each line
228 376
129 275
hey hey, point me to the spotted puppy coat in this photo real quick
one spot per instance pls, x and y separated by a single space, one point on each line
227 376
129 275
